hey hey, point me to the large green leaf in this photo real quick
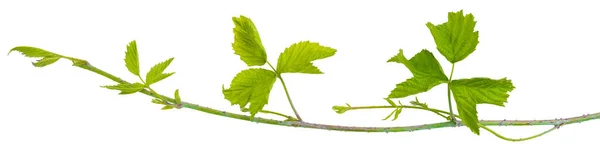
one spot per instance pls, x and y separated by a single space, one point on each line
247 43
486 90
426 70
456 38
298 57
251 86
470 92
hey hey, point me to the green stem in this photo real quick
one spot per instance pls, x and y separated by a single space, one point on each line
517 139
290 118
556 122
450 97
287 94
437 111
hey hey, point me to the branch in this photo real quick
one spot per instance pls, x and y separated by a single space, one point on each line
555 122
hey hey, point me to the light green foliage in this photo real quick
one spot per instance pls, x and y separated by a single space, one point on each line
131 58
47 57
167 107
251 86
247 43
126 88
485 90
46 61
456 38
426 70
299 56
177 98
156 72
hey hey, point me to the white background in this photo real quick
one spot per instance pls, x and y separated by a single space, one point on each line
549 49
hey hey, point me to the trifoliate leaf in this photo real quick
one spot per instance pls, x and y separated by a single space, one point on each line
126 88
485 90
247 43
299 56
33 52
456 38
251 86
167 107
156 72
46 61
177 98
132 59
426 70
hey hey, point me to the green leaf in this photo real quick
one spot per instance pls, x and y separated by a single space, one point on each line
470 92
33 52
341 109
390 115
398 111
177 98
158 101
390 101
167 107
427 73
132 59
156 72
456 38
251 86
298 57
485 90
126 88
46 61
247 43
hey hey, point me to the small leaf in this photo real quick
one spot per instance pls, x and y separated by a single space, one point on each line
390 101
251 86
398 111
158 101
456 38
387 117
341 109
33 51
427 73
177 98
132 59
46 61
167 107
298 57
156 72
126 88
247 43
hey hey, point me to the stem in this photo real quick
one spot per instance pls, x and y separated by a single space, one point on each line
517 139
437 111
291 118
555 122
450 97
287 94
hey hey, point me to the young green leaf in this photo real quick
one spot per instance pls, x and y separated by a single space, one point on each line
132 59
46 61
398 111
341 109
299 56
390 115
485 90
251 86
247 43
167 107
126 88
177 98
33 52
390 102
456 38
426 70
156 72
